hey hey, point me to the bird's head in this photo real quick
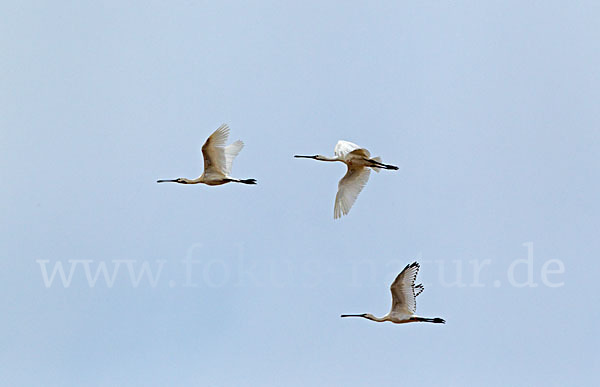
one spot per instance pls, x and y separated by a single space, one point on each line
319 157
316 157
180 180
364 315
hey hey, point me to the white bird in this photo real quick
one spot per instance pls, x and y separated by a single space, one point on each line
404 300
358 161
217 161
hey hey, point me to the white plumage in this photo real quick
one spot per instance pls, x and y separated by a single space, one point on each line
404 300
218 160
359 163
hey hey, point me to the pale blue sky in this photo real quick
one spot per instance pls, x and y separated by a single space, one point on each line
491 109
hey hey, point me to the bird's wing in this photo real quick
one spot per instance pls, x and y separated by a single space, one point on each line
359 153
231 151
214 152
342 148
403 290
419 289
348 189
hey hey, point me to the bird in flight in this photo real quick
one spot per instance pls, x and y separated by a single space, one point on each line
359 164
404 300
217 161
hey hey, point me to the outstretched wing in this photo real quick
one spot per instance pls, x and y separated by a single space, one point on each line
419 289
403 290
231 151
342 148
214 152
348 189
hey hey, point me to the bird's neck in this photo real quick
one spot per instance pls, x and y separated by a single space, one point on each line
325 158
378 319
193 181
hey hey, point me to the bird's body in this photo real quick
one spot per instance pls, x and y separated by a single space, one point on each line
359 163
404 300
218 159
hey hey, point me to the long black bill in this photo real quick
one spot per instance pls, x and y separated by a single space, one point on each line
352 315
305 157
166 181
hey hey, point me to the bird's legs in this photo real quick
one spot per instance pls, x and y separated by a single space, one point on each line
243 181
436 320
377 164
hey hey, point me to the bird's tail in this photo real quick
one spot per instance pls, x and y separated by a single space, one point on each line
377 160
436 320
246 181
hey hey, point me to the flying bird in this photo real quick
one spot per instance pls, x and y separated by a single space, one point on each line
404 300
217 161
359 164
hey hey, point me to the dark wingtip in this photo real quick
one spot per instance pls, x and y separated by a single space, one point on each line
414 264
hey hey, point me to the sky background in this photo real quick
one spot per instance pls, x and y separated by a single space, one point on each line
490 108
